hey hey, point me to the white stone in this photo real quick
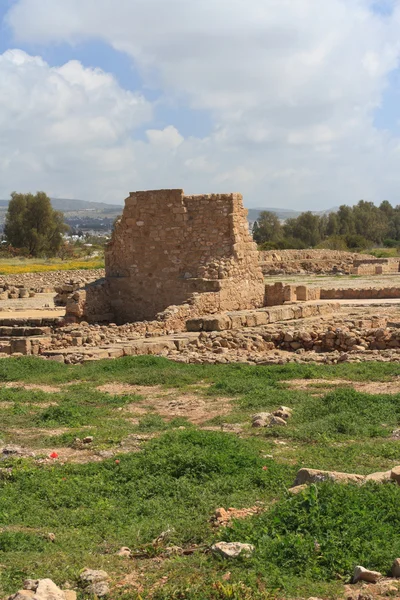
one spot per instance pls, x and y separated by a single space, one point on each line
362 574
232 549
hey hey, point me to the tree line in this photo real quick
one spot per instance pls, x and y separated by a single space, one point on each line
350 227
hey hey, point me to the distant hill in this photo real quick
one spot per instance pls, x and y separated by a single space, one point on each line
285 213
69 205
78 210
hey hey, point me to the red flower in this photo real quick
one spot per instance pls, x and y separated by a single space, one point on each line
53 455
265 468
117 462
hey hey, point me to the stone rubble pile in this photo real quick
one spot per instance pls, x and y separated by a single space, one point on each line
320 262
65 290
11 292
46 281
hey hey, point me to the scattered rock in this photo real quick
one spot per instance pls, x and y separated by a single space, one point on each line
88 439
99 589
51 537
396 568
277 421
395 474
379 477
283 412
125 552
95 582
232 549
316 476
261 419
93 576
361 574
42 589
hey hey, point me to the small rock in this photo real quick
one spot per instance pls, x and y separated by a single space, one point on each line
395 474
99 589
88 439
277 421
361 574
396 568
232 549
315 476
12 451
48 590
379 476
51 537
93 576
125 552
261 419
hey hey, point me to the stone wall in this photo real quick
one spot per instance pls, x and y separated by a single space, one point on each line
375 266
360 293
170 249
279 293
281 262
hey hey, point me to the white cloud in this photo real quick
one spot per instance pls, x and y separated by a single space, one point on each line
165 138
61 128
291 88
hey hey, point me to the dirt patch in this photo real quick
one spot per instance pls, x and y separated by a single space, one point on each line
50 389
195 409
171 403
33 433
323 385
126 389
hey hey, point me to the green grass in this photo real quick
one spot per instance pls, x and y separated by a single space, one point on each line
351 525
179 477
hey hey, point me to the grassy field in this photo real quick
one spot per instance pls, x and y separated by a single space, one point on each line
171 444
14 266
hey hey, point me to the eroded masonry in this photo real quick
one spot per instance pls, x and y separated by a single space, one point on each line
170 249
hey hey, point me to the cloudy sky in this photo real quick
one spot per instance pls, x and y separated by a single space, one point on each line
294 103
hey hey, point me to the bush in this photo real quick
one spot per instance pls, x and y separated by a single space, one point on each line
389 243
334 242
357 242
325 532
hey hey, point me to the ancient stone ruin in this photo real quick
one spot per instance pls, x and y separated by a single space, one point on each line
171 249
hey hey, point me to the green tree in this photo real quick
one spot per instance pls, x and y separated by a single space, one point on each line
267 228
33 224
305 228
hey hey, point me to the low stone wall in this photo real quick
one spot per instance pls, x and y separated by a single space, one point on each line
278 293
370 293
282 262
257 318
376 266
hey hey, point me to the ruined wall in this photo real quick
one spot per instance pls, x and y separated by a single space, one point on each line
375 266
169 249
276 262
359 293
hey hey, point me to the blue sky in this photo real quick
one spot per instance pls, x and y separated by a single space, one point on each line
292 106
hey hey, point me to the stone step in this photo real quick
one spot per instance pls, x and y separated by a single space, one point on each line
262 316
22 331
31 321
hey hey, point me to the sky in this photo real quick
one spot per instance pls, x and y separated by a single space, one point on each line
293 103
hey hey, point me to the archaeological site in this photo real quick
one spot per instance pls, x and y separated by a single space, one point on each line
257 391
184 279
